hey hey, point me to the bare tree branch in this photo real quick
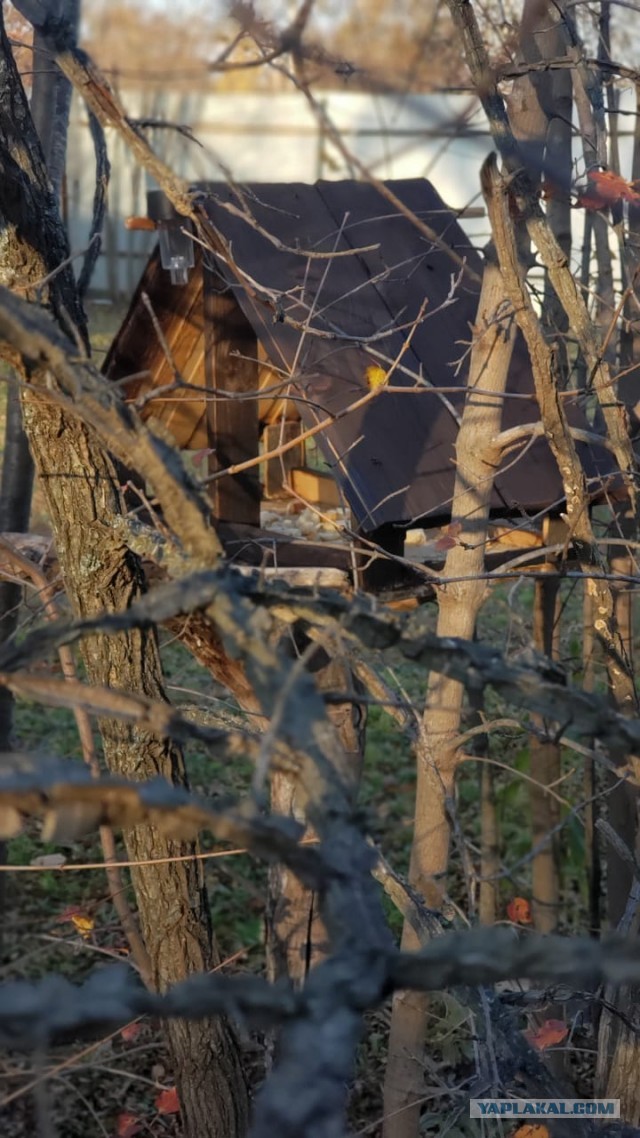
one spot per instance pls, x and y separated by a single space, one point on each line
103 172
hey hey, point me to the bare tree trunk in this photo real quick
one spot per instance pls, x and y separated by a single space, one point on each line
50 114
543 121
458 606
618 1067
622 805
581 371
79 483
488 891
590 781
617 1073
629 383
545 769
622 801
99 572
15 509
295 935
489 847
50 102
51 95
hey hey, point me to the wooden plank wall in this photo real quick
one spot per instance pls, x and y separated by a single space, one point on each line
231 365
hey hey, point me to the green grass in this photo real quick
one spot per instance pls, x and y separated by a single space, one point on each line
237 885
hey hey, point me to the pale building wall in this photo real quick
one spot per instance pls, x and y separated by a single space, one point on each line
277 137
262 138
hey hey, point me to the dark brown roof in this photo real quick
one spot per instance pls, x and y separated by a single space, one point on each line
320 319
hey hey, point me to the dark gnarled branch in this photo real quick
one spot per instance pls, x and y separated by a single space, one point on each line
531 682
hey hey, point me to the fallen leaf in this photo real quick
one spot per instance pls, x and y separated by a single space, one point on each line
548 1034
519 911
130 1032
167 1101
80 920
375 376
83 924
531 1130
127 1125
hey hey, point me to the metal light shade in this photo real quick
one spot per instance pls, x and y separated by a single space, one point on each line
176 249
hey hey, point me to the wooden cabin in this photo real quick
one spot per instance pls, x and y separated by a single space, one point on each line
318 285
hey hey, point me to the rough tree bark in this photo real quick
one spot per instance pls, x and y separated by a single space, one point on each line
540 111
625 806
83 500
558 431
79 483
617 1040
545 769
15 510
438 752
590 344
50 102
489 847
296 938
618 1067
590 778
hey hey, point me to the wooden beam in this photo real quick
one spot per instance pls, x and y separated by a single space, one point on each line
232 424
315 487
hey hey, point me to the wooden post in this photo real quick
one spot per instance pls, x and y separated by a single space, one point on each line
231 365
296 940
545 770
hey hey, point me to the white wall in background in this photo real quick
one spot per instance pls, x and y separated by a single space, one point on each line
263 138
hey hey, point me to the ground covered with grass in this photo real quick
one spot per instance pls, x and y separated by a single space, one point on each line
63 920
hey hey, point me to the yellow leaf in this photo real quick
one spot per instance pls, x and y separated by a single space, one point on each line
83 924
376 377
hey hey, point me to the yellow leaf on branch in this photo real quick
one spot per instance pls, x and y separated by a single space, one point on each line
375 376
